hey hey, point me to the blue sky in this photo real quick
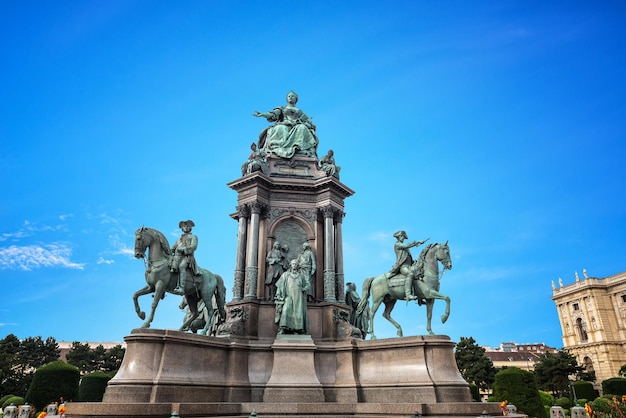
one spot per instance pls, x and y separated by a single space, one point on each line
498 126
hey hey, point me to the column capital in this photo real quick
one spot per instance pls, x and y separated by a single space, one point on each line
243 211
257 207
328 211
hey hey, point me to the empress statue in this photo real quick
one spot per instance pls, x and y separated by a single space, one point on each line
293 133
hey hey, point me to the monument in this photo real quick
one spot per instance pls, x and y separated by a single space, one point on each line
289 344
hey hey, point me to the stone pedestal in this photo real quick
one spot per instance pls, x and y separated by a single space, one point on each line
293 377
199 376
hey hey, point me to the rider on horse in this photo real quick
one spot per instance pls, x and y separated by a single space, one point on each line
183 251
404 262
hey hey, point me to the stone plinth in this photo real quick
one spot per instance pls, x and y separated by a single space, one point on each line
293 377
165 371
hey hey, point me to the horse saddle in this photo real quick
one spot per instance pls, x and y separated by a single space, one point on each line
396 280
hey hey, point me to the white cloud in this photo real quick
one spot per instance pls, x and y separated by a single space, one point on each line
31 257
101 260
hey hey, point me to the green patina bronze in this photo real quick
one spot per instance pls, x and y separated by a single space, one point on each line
291 296
203 286
293 133
424 276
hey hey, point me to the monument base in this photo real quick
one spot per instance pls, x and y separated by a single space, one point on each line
293 376
199 376
280 410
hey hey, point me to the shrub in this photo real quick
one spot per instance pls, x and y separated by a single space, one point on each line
600 405
51 382
546 398
92 386
584 390
614 385
15 400
565 403
519 388
4 398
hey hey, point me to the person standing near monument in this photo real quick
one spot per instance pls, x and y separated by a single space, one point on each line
275 268
404 261
308 264
184 258
291 308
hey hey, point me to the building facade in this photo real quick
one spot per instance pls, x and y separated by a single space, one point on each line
523 356
592 313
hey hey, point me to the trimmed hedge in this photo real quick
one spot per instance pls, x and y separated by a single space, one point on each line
15 400
585 390
92 386
51 382
4 398
614 386
519 388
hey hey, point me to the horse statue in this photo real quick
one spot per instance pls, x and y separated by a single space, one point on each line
159 280
425 271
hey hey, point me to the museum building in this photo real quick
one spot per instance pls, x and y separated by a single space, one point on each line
592 313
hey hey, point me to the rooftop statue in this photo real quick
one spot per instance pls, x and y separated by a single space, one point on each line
293 133
159 279
257 161
327 164
425 273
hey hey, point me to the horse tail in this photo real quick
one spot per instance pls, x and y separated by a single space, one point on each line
220 296
365 296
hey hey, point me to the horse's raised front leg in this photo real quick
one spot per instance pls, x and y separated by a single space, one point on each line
387 315
436 295
143 291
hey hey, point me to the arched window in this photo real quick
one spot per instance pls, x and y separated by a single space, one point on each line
582 329
588 364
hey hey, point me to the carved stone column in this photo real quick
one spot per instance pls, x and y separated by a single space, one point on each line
252 252
341 297
329 254
243 212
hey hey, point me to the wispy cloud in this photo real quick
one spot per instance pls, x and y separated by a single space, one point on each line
31 257
101 260
29 229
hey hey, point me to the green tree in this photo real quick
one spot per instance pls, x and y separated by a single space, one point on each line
553 372
81 356
98 358
113 358
519 388
9 349
622 371
474 365
20 359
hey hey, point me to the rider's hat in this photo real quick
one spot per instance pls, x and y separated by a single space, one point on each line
401 233
188 222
